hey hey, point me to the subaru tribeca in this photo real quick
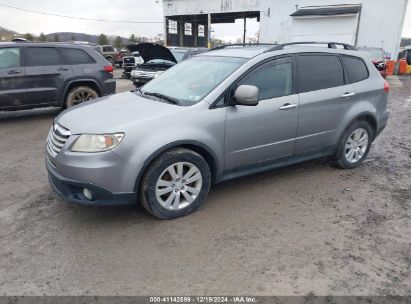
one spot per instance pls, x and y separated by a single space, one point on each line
220 115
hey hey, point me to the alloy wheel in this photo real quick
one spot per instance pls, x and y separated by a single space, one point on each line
356 145
178 186
83 96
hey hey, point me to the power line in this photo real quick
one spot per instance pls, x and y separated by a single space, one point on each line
77 18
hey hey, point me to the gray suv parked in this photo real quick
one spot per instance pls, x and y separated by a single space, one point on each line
34 75
217 116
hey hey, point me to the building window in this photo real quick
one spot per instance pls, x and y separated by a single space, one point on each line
172 27
188 29
201 32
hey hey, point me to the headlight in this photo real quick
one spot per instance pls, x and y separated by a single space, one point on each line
97 143
159 73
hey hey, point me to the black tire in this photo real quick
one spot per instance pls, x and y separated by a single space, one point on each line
340 159
111 61
147 191
78 95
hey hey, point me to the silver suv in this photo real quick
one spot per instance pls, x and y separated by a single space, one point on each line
220 115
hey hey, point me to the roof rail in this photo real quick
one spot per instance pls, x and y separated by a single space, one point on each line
240 44
331 45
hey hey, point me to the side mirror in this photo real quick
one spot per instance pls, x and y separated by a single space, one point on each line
247 95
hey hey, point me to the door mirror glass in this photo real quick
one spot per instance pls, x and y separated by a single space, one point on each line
247 95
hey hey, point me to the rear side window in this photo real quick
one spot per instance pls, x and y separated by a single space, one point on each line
42 56
356 68
107 49
9 58
273 79
318 72
76 56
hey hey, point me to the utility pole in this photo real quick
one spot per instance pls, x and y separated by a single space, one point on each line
245 29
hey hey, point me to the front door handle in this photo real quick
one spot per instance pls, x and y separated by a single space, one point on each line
63 69
14 72
347 95
288 106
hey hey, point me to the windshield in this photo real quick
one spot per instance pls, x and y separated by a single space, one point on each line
178 55
190 81
373 53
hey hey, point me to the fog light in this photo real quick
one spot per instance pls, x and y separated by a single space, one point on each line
87 194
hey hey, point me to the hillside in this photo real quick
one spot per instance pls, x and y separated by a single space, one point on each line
67 36
6 34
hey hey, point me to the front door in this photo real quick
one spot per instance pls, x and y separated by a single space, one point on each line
267 131
12 90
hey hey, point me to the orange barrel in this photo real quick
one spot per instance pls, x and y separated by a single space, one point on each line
390 67
403 67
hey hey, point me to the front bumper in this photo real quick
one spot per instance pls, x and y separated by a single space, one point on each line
110 179
72 191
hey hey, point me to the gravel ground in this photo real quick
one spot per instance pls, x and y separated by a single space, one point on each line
306 229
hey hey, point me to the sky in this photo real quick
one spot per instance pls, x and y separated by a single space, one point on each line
135 10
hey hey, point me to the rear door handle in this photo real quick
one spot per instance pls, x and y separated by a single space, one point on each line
346 95
14 72
288 106
63 69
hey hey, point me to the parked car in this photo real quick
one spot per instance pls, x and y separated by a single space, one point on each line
130 62
218 116
157 59
378 58
110 53
405 54
34 75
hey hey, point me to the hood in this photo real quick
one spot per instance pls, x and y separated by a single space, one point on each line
150 51
113 113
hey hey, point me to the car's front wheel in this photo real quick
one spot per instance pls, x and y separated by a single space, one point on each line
175 184
354 145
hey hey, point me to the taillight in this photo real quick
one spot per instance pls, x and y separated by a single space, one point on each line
386 86
108 68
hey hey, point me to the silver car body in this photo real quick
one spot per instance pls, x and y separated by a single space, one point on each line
235 140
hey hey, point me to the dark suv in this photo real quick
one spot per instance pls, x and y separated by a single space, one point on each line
34 75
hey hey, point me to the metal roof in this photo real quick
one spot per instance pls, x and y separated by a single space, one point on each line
327 11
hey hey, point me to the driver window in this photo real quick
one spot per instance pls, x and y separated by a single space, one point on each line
274 79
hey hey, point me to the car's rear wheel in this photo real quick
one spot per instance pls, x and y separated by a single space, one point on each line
175 184
111 61
80 94
354 145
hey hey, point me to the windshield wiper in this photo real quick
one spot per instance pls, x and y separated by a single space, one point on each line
169 99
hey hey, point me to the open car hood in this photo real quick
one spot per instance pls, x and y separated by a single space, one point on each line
150 51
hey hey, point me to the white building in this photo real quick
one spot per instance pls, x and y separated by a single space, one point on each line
373 23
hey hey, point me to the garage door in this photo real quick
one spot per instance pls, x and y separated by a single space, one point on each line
319 28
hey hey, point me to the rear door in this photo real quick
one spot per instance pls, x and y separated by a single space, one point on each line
325 97
12 90
266 131
45 75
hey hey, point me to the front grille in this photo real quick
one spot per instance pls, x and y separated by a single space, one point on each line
128 60
56 139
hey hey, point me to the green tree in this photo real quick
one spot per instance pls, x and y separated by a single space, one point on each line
102 39
73 38
28 36
42 37
118 42
133 38
56 38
